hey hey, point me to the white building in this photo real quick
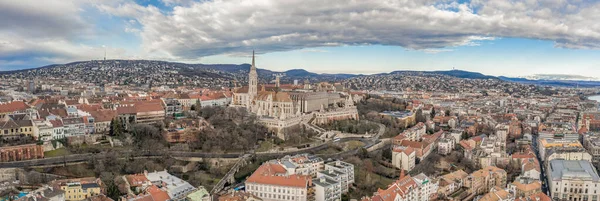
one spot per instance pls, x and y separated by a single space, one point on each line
327 189
302 164
446 145
344 167
568 153
407 188
73 126
404 157
43 129
271 182
573 180
176 187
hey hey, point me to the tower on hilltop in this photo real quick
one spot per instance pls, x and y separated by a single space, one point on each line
252 80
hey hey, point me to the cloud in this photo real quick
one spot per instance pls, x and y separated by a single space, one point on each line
188 30
35 33
205 28
314 50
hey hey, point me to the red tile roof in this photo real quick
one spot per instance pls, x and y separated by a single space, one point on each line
275 174
104 115
541 196
13 106
158 194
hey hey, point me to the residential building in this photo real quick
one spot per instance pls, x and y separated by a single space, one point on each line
545 144
497 194
12 108
73 126
175 187
446 145
481 181
591 142
451 182
403 157
80 189
327 189
44 193
302 164
346 178
172 107
525 187
239 196
405 118
567 153
200 194
535 197
407 188
102 120
271 181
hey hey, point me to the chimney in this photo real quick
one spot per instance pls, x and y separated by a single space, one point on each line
402 174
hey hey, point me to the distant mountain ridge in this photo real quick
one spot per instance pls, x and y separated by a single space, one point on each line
238 71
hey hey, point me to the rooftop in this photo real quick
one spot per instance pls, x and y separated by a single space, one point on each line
579 169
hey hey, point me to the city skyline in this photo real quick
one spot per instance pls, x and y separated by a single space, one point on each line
491 37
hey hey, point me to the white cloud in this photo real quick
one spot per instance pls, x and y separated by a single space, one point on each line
193 29
231 27
36 33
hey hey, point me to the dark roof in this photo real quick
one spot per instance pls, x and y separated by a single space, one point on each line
74 120
90 185
24 123
8 124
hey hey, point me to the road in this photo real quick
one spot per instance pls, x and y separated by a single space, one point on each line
542 168
75 158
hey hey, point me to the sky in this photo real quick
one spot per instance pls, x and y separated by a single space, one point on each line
494 37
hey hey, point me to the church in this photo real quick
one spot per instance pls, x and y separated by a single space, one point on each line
279 109
273 107
269 102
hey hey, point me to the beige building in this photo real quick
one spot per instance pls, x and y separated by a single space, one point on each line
272 182
481 181
404 158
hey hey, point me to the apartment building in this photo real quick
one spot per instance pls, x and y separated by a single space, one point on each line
271 181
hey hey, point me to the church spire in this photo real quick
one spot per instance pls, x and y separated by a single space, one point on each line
253 66
252 80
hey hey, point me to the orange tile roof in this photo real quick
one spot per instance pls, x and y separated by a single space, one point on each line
13 106
541 196
148 107
275 174
158 194
126 110
136 179
104 115
89 108
527 187
413 144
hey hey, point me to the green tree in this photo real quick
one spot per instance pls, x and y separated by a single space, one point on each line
432 112
419 116
116 128
465 135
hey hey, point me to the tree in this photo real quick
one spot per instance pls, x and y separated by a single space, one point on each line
432 112
387 154
116 128
447 112
464 135
419 116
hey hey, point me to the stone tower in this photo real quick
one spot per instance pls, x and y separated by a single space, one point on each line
252 80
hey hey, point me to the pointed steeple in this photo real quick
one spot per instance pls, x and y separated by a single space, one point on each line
252 79
253 66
